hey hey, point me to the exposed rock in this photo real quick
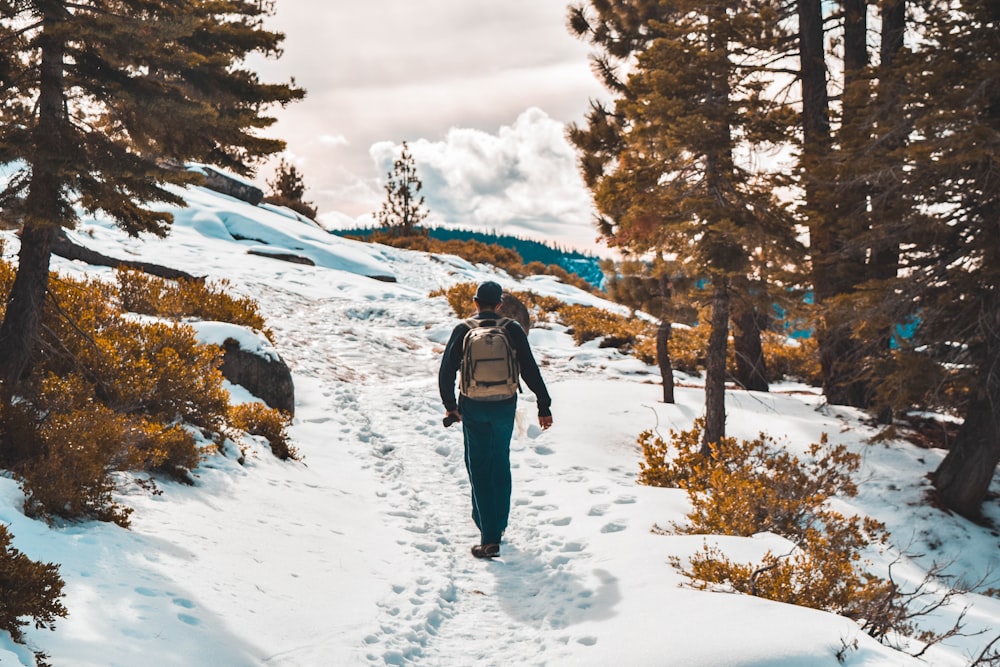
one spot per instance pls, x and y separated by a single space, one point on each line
227 185
284 255
512 307
265 376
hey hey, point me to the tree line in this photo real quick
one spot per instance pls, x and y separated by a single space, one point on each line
757 151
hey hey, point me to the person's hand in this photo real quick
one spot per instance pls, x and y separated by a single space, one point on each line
452 416
545 422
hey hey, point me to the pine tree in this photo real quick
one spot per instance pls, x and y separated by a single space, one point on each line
288 189
851 184
403 209
97 99
950 278
689 84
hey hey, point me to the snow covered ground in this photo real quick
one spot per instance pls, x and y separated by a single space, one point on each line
359 553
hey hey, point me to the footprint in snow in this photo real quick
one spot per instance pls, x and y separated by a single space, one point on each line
615 527
599 510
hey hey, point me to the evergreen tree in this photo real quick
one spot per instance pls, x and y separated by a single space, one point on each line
689 82
950 264
858 199
403 209
288 189
97 99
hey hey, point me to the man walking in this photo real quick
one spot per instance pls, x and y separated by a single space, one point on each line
487 404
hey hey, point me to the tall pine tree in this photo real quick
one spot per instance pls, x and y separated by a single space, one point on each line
689 82
97 99
950 259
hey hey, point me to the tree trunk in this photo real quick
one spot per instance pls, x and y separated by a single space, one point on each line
715 367
888 207
23 319
815 102
964 476
815 154
663 333
840 359
63 247
751 367
44 214
841 355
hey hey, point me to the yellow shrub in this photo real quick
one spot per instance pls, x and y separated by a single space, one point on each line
272 424
747 487
821 573
154 368
149 295
687 348
109 392
799 360
71 477
79 443
459 298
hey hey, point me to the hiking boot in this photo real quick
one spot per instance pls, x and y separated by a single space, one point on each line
486 550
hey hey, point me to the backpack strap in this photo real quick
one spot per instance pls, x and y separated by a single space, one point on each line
500 322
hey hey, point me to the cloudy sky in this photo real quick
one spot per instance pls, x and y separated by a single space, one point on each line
481 91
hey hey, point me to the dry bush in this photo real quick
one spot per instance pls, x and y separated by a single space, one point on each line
459 297
587 323
149 295
752 486
472 251
29 590
272 424
687 348
110 392
778 492
78 444
153 368
797 360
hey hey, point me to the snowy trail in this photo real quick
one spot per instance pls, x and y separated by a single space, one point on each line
440 602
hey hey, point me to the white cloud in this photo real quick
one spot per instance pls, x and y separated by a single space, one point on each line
522 180
395 70
333 140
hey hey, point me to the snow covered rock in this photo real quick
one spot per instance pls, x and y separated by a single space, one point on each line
229 185
249 360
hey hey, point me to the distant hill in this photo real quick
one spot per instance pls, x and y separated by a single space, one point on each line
585 266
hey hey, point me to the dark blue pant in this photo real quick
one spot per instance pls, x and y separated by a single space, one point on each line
488 427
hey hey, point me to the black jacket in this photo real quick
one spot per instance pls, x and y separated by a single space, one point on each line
452 362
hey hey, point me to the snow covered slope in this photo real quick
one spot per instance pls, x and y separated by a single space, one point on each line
359 555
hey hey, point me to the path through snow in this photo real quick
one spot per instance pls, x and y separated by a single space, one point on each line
442 603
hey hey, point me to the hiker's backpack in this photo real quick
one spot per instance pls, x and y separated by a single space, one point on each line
489 364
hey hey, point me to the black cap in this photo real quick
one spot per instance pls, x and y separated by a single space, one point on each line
489 293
